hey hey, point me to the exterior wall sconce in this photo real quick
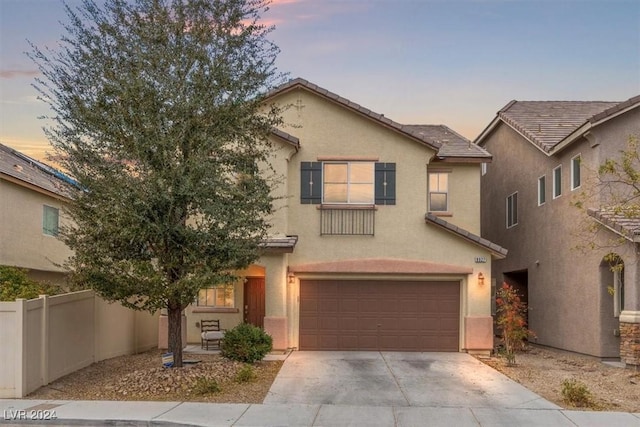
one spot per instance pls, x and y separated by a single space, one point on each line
480 279
291 278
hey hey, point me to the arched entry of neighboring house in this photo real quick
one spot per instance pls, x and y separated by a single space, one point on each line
612 280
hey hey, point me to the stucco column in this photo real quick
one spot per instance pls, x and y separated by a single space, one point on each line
275 319
630 316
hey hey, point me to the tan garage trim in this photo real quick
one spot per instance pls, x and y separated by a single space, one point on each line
380 266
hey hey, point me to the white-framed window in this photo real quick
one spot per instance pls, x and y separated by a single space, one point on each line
512 210
542 190
348 182
50 220
483 169
217 296
575 172
557 182
438 191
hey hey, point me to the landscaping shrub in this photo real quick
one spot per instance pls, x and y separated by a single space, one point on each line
511 321
14 283
205 386
576 393
246 374
246 343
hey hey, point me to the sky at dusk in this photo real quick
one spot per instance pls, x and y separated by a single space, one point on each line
453 62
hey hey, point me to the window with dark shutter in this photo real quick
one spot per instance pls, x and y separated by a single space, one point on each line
311 183
385 183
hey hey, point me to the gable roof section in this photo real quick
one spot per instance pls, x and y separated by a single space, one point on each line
23 170
496 250
629 228
453 145
427 138
552 125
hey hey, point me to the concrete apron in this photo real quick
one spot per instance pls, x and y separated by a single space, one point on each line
397 379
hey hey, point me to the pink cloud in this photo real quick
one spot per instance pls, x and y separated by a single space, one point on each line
12 74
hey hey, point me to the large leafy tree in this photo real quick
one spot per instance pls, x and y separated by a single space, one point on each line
159 116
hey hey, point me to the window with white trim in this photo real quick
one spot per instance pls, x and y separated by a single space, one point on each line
483 169
575 172
221 296
512 210
50 220
438 192
348 182
542 190
557 182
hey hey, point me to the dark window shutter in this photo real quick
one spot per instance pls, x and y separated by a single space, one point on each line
385 183
311 183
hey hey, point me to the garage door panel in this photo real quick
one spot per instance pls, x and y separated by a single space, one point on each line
384 315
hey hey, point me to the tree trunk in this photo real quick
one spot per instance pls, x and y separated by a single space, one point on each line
174 314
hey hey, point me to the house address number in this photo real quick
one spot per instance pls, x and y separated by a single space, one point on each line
481 259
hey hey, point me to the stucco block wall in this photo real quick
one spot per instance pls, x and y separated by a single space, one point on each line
22 242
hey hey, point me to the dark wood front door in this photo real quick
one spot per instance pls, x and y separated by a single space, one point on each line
254 301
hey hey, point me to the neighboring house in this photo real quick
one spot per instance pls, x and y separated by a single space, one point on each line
31 199
543 155
375 240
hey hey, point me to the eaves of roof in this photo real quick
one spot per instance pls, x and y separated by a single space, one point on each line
286 137
497 251
629 228
22 170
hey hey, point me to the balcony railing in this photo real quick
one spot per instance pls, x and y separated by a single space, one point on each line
347 221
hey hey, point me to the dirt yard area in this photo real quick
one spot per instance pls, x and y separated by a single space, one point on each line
142 377
543 370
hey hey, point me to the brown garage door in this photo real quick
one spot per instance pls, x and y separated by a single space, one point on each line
379 315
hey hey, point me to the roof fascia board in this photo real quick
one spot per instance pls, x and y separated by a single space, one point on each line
33 187
480 138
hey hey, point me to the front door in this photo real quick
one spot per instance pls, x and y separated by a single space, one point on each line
254 301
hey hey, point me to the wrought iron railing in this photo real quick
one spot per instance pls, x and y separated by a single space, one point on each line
347 221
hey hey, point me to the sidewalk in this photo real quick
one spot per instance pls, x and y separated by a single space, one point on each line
97 413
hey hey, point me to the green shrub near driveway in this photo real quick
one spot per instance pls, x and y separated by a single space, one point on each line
246 343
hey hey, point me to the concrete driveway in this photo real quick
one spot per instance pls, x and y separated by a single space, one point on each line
367 378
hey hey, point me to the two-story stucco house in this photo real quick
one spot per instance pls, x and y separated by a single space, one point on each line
375 243
31 201
544 155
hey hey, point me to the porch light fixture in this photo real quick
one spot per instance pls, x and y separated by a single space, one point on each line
291 278
480 279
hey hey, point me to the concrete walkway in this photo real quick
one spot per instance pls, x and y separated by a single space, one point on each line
98 413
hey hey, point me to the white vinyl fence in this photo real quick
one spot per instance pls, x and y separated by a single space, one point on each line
47 338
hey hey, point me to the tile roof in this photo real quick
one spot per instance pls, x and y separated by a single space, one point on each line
279 244
427 137
625 226
497 250
452 143
547 123
380 266
286 137
30 171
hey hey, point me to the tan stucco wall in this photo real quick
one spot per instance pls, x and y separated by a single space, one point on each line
22 242
568 307
326 129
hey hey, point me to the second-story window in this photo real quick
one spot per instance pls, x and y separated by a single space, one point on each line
575 172
557 182
348 182
512 210
50 219
438 192
542 190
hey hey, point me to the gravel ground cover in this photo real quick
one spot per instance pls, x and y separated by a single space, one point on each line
543 370
142 377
